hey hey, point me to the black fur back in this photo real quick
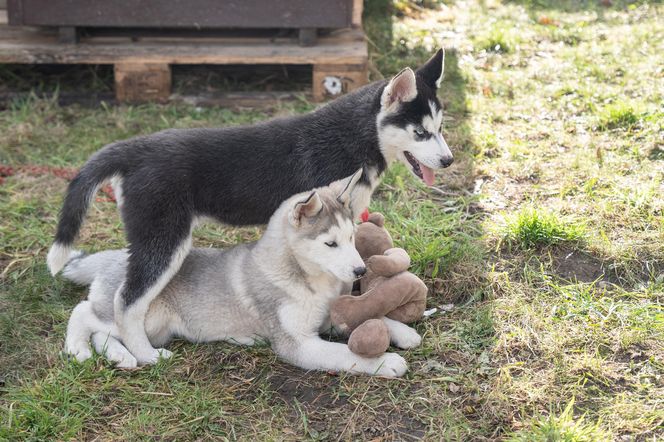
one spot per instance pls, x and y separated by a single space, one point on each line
238 175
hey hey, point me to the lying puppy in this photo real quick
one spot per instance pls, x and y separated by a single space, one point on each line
276 289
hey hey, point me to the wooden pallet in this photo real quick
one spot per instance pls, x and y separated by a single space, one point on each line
142 64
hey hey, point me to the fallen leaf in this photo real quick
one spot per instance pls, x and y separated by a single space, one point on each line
546 21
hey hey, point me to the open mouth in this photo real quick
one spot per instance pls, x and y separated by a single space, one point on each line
425 173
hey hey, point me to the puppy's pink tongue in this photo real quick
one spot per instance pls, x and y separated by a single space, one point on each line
427 175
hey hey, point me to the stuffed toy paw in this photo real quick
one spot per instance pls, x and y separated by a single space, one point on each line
386 290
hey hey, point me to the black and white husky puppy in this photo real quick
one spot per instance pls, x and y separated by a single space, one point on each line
167 181
277 289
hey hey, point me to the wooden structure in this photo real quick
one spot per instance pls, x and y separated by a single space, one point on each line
142 63
69 15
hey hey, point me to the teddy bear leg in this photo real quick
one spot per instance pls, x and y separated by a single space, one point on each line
401 335
371 339
413 294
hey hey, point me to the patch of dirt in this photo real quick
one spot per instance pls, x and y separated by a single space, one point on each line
334 412
574 265
635 353
393 426
292 384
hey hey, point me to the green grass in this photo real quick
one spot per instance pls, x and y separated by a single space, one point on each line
619 115
562 428
542 247
530 228
499 39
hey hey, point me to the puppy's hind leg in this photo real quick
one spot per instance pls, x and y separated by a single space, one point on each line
82 323
401 335
152 264
105 344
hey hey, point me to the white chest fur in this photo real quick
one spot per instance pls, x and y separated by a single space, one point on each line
308 307
361 196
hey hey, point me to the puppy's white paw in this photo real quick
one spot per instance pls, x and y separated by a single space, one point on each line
164 354
406 337
121 357
392 365
80 354
126 361
154 356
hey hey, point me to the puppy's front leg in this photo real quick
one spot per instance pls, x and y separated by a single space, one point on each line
313 353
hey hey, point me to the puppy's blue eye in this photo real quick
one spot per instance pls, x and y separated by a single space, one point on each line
331 244
419 131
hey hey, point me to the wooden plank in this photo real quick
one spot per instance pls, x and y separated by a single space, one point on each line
142 82
358 8
196 14
30 35
307 36
41 49
67 35
333 80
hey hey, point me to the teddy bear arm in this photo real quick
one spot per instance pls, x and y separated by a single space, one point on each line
348 312
391 262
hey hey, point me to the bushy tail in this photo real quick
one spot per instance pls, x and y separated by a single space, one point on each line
103 165
76 269
82 268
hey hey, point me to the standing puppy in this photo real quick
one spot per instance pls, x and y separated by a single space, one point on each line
240 175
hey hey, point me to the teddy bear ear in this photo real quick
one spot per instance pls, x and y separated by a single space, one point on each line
377 218
306 208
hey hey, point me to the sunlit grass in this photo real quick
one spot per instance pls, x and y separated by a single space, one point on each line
531 227
620 115
563 427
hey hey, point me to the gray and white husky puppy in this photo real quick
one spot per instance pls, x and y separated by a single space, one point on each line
276 289
239 175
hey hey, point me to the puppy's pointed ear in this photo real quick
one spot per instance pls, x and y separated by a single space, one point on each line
432 71
306 208
400 89
347 185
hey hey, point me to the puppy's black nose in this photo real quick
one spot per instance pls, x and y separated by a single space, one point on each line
446 161
359 271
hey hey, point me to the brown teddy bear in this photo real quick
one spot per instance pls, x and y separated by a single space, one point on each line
387 289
